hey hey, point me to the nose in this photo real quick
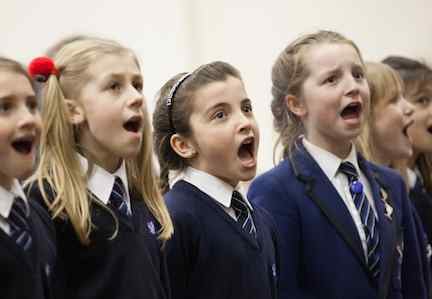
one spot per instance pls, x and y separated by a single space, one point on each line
407 107
29 119
353 88
136 99
245 123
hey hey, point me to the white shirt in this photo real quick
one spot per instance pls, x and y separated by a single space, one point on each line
329 163
101 182
217 189
7 198
412 177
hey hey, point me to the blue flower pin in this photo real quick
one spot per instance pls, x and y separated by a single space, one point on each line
356 187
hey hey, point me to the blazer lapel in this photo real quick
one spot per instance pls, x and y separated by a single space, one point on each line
320 190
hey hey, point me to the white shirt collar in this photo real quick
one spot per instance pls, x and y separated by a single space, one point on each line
101 182
328 161
412 177
7 198
211 185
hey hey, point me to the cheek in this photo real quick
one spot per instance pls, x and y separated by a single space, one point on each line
38 122
5 135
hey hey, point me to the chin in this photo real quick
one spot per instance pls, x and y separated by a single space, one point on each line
23 173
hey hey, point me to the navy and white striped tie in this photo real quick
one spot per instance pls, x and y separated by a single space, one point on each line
19 226
243 213
117 198
367 216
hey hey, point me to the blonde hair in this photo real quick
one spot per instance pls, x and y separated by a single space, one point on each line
9 65
59 165
384 83
288 75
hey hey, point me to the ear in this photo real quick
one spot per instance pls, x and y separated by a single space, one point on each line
182 146
296 106
76 112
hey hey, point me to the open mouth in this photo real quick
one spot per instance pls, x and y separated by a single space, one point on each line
352 110
133 124
405 128
429 130
247 149
23 145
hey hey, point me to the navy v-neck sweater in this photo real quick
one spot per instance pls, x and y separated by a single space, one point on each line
131 265
25 275
210 256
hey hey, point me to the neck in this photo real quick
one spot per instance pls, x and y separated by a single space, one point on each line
412 161
341 149
106 162
6 182
382 159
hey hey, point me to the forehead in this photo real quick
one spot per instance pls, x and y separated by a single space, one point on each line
424 88
13 83
328 56
229 91
108 64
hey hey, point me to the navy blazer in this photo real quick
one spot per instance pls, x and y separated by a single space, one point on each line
321 252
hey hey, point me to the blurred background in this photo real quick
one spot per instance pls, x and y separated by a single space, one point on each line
178 35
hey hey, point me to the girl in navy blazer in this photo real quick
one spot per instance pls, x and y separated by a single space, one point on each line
385 141
27 239
417 79
223 247
345 223
95 174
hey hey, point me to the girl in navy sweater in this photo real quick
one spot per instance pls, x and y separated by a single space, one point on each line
96 174
223 246
346 225
27 238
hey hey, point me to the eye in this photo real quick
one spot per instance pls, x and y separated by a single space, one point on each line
5 106
114 86
330 80
138 85
359 75
219 115
247 107
424 101
32 105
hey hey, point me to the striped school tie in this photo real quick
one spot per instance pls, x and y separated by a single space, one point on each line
367 216
243 213
117 198
19 225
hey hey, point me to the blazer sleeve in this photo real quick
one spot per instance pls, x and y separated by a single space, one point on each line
413 285
269 193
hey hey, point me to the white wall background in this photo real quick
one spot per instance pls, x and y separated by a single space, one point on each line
178 35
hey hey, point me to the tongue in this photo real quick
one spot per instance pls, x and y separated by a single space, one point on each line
246 158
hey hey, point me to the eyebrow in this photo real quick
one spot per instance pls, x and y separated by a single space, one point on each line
121 76
337 69
11 96
225 103
245 100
